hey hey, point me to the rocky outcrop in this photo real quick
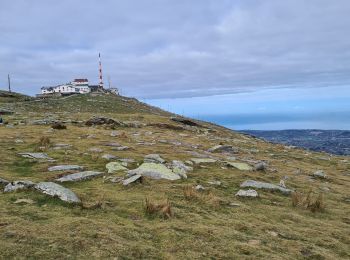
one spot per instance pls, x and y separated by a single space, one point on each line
265 186
154 171
79 176
114 167
65 168
56 190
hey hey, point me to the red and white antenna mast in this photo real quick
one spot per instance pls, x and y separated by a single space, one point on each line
100 70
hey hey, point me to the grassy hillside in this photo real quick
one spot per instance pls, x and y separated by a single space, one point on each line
113 222
9 97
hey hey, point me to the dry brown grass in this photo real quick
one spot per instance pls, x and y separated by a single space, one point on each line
59 126
43 144
162 209
310 201
190 193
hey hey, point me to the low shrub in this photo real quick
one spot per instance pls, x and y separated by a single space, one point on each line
161 209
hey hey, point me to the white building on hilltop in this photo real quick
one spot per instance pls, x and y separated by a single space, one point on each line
77 86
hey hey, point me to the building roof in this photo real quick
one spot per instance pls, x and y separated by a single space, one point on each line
80 80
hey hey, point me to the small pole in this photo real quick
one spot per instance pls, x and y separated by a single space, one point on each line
9 81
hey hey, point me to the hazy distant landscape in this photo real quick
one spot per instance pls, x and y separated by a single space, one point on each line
330 141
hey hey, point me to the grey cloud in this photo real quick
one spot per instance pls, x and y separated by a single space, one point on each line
168 48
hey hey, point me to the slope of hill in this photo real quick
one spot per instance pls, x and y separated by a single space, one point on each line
330 141
156 218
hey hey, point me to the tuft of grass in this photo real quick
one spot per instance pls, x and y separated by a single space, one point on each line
161 209
59 126
308 201
43 144
190 193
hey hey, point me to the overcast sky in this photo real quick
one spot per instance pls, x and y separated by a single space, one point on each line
176 48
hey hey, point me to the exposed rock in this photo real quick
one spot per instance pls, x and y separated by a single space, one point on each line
217 183
154 158
223 149
247 193
18 185
154 171
319 174
65 168
109 157
61 146
115 133
121 148
180 168
24 201
19 141
42 156
239 166
112 144
282 184
260 166
56 190
102 121
167 126
131 179
113 167
3 182
113 179
95 150
79 176
203 160
199 188
184 121
264 185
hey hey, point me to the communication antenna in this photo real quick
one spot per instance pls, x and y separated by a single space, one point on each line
9 81
100 70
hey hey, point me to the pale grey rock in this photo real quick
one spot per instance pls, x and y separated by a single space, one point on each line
265 185
115 133
55 190
131 179
114 167
109 157
18 185
79 176
65 168
121 148
180 168
260 166
113 144
154 158
95 150
203 160
42 156
3 182
319 174
217 183
223 149
239 166
24 201
113 179
154 171
247 193
199 188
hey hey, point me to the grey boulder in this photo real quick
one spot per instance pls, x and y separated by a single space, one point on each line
55 190
154 171
18 185
79 176
131 179
65 168
3 182
42 156
247 193
265 185
154 158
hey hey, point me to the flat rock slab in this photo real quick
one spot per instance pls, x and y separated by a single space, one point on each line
240 166
155 171
203 160
55 190
131 179
247 193
79 176
42 156
223 149
18 185
65 168
113 167
150 158
264 185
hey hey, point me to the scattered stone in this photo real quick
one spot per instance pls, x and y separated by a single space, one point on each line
265 185
102 121
24 201
260 166
114 167
319 174
199 188
282 184
61 146
239 166
121 148
131 179
223 149
153 158
42 156
113 179
18 185
65 168
233 204
273 233
79 176
154 171
217 183
95 150
115 133
247 193
55 190
180 168
19 141
109 157
203 160
114 144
